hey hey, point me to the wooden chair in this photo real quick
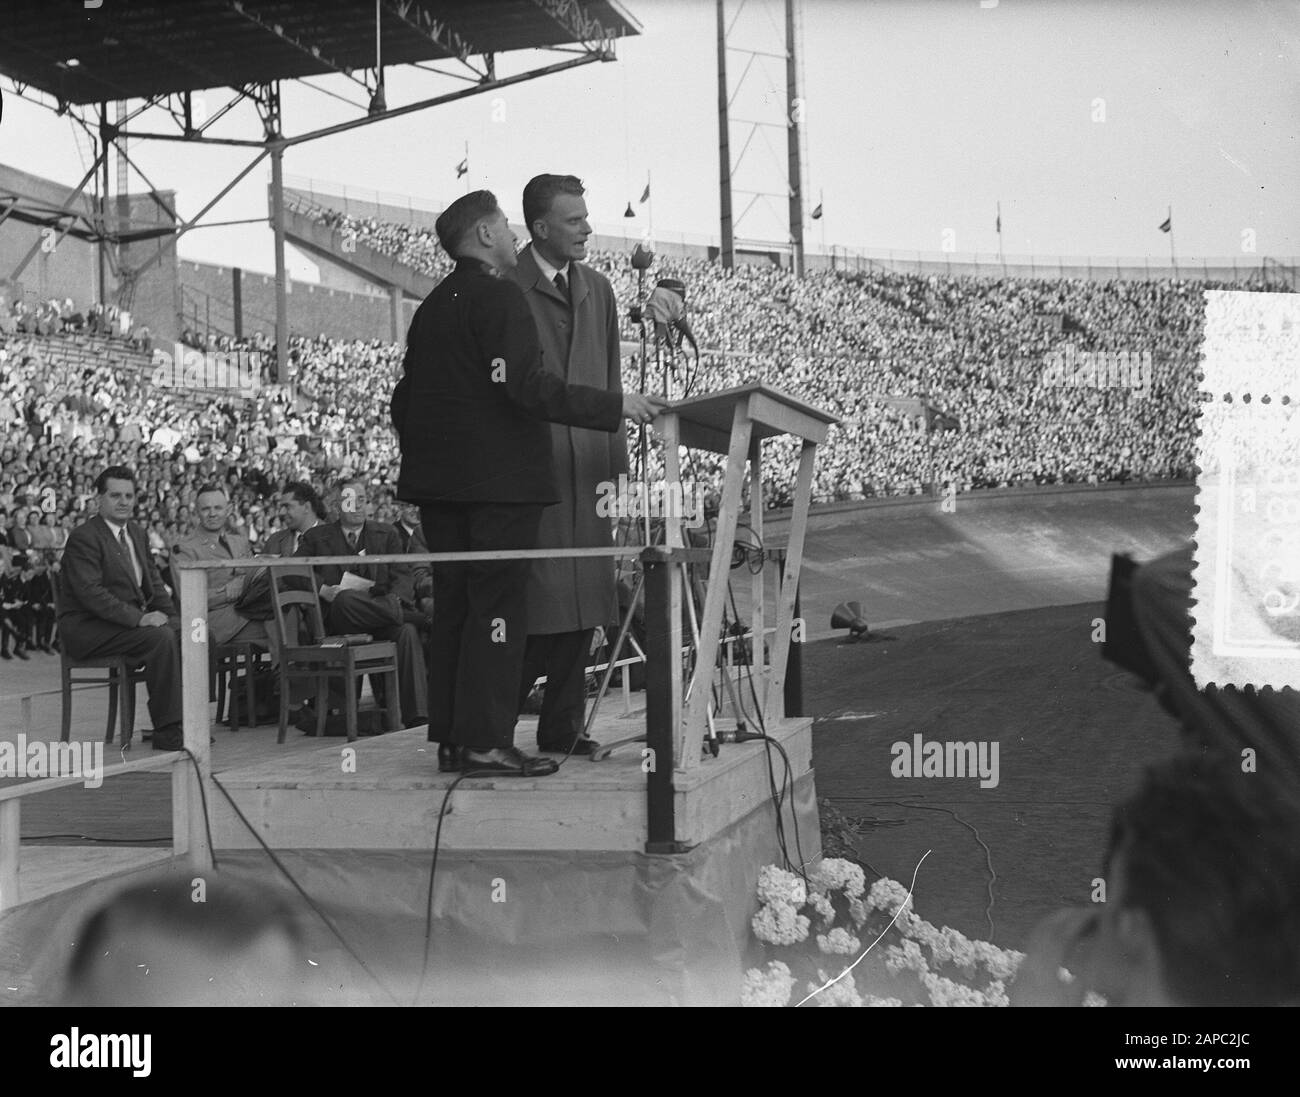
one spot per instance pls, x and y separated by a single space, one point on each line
123 674
320 660
226 663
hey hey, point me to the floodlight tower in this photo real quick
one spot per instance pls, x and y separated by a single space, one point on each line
790 174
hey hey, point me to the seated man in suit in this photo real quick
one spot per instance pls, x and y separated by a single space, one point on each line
300 509
374 597
112 601
412 535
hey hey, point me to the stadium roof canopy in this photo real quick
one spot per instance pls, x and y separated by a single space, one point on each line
148 48
157 53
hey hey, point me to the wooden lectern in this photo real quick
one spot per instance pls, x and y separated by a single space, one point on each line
733 422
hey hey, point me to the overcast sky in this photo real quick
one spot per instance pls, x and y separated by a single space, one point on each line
1085 119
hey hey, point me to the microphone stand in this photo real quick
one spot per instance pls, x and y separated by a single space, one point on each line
643 442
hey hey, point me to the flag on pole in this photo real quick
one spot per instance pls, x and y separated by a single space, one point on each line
462 168
1168 224
817 212
999 225
645 194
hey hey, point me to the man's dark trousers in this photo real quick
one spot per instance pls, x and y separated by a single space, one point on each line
158 648
562 657
479 627
14 623
355 611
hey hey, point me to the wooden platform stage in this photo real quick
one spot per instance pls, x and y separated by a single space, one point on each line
385 793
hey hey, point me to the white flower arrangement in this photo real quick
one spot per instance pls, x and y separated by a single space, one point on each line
842 992
785 918
859 912
887 895
823 906
945 992
776 886
767 988
839 941
906 957
837 874
995 994
780 924
872 1000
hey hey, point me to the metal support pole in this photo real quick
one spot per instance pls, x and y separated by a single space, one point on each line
237 300
189 788
281 296
102 297
728 255
794 662
793 114
395 314
663 695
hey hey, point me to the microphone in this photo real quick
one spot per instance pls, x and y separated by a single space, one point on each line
667 308
642 257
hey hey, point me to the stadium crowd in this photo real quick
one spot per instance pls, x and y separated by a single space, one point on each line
936 379
939 383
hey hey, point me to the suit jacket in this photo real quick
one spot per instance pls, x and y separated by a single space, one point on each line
579 346
279 543
468 409
224 584
328 539
98 594
421 574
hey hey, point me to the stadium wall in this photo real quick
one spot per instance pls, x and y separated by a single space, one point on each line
362 202
71 268
208 291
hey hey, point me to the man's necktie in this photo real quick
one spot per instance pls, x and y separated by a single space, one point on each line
130 556
563 287
352 541
225 544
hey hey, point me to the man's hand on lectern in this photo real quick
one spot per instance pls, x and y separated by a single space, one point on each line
642 409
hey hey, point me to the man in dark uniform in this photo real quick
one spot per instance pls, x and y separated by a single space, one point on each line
469 413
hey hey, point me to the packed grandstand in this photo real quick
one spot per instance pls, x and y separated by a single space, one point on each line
940 384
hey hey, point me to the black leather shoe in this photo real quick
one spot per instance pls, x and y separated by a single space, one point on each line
448 758
508 761
168 738
582 747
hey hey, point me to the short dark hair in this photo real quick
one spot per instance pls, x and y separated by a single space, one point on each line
458 220
232 916
1212 856
209 487
541 191
113 472
303 492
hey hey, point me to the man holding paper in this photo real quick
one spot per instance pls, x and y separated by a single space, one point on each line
369 598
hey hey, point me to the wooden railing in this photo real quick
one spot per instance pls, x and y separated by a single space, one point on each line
192 776
184 789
